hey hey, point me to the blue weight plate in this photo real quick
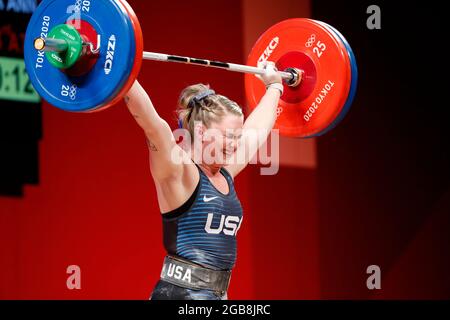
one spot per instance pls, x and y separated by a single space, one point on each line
106 78
354 81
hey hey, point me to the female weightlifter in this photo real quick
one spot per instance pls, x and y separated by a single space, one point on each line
200 209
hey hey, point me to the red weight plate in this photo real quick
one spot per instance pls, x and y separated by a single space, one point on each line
310 108
137 60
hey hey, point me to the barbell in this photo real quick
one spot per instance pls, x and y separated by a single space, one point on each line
84 56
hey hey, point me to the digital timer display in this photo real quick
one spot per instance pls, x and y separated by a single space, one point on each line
15 84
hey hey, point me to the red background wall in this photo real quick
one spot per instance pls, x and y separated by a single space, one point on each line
95 205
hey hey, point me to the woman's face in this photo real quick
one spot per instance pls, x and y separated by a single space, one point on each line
221 140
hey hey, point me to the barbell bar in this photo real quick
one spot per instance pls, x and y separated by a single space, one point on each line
90 65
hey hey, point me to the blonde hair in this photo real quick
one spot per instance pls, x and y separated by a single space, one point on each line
210 109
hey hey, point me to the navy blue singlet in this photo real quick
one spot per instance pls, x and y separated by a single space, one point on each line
204 229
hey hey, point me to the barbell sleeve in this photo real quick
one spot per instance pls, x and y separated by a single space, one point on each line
50 44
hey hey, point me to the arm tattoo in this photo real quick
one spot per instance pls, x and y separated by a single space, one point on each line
127 100
151 145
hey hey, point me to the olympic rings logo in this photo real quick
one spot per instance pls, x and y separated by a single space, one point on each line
73 92
311 41
77 6
279 111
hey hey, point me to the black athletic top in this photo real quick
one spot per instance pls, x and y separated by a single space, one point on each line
203 230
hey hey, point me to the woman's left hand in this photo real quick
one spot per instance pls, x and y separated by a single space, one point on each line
271 76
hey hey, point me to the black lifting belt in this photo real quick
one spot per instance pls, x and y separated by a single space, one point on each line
185 274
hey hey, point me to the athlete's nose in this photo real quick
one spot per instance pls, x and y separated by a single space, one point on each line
232 145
